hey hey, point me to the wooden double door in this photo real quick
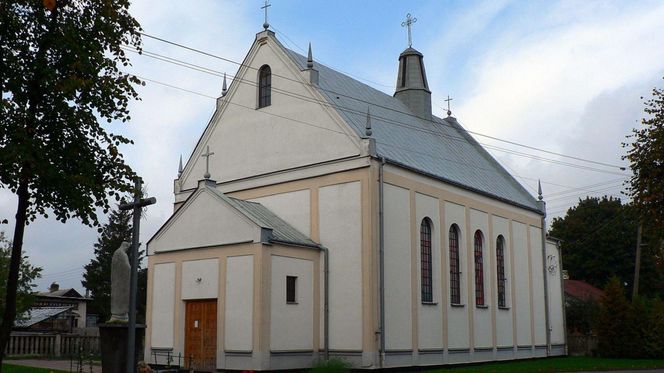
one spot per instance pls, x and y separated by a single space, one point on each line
200 334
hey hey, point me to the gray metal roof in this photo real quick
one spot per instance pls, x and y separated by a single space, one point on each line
440 148
38 314
282 232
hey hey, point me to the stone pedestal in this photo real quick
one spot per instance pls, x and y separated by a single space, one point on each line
113 338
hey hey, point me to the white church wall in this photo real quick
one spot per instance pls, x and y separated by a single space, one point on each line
482 326
293 207
504 325
291 325
340 220
291 132
398 310
163 306
238 325
430 316
539 310
200 279
457 319
555 294
521 282
197 225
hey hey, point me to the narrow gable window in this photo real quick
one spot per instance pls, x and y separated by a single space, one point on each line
479 270
426 261
500 264
291 285
455 273
264 86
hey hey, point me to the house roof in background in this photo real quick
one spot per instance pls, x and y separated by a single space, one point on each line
61 293
582 290
37 315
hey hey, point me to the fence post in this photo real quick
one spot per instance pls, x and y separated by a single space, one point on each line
58 344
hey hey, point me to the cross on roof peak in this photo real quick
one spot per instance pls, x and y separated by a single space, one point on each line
266 25
449 111
408 23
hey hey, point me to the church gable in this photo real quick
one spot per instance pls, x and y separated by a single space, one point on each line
294 127
206 219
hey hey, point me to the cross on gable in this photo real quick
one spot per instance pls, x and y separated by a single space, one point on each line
408 23
207 155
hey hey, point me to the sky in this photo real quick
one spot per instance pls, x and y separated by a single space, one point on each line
563 76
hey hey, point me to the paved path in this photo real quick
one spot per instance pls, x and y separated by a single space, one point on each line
54 364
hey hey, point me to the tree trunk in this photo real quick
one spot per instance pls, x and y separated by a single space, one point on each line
14 265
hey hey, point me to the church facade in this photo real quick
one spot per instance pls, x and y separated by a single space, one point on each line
337 221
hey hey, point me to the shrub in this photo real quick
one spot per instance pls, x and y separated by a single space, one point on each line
333 365
613 329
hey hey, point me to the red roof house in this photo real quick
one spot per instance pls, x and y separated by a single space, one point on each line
582 290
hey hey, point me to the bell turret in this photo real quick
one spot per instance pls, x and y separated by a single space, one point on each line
412 87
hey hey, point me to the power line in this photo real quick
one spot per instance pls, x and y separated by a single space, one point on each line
438 157
389 120
374 104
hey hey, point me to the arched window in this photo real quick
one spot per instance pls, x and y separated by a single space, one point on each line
479 270
426 262
264 86
500 270
455 273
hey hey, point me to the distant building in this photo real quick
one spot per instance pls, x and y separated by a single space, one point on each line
47 319
582 291
60 310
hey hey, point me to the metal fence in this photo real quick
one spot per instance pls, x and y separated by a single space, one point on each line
58 345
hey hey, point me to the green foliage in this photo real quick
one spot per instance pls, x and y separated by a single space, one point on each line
633 330
599 241
614 321
333 365
27 275
581 315
59 76
654 341
9 368
554 364
646 156
97 275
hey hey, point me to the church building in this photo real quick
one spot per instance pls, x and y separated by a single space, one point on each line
318 217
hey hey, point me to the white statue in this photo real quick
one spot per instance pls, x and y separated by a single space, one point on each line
120 275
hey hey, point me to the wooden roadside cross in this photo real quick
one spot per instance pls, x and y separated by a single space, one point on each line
137 205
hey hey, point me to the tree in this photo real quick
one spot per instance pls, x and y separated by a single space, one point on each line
646 156
599 236
97 275
27 275
59 78
613 327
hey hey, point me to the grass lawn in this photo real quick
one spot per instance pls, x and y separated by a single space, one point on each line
8 368
558 364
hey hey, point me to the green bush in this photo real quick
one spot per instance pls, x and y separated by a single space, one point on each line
613 321
333 365
629 330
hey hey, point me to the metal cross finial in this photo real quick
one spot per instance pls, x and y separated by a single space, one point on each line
267 5
207 162
408 23
449 111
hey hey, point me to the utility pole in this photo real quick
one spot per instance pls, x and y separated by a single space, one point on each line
637 266
137 206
